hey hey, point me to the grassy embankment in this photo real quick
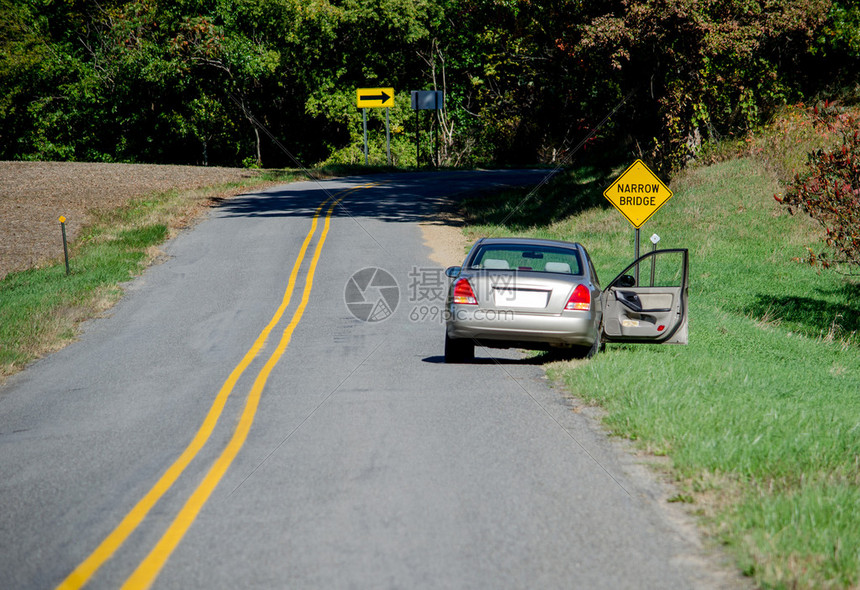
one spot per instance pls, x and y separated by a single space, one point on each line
760 414
42 307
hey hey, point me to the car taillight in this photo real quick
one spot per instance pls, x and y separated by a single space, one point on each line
580 299
463 293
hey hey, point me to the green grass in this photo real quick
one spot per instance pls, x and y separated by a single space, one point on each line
760 414
41 308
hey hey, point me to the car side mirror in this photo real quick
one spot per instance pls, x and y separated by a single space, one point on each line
453 271
625 281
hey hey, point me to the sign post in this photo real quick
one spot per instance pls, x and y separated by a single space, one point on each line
654 239
636 255
638 193
436 126
426 100
364 121
387 138
375 98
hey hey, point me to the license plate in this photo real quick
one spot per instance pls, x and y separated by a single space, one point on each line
520 298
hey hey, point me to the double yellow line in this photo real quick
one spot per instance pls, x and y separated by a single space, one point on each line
152 564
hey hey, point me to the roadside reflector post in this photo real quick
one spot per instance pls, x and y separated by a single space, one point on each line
654 239
65 243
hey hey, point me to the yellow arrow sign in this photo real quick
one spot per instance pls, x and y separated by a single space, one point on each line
638 193
374 98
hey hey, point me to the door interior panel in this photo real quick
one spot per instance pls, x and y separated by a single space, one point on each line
655 309
650 317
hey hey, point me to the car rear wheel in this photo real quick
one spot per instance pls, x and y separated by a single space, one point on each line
586 352
459 350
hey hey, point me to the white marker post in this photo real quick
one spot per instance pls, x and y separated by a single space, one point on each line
654 239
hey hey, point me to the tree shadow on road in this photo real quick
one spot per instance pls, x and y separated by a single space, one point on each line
403 198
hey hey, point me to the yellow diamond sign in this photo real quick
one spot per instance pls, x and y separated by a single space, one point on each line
638 193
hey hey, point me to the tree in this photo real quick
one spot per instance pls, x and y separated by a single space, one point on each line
192 81
698 69
829 190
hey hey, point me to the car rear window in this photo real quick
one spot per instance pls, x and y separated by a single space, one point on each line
531 258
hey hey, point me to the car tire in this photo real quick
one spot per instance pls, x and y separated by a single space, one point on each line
587 352
459 350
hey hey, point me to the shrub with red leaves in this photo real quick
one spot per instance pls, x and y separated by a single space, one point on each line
829 191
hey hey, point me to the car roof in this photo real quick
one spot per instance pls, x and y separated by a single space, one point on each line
527 242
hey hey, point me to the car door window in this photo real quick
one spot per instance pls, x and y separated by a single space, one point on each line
665 270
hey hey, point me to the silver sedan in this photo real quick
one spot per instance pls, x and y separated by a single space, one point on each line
545 294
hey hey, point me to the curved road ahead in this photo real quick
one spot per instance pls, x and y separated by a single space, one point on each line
233 424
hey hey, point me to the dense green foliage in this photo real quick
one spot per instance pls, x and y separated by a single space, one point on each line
829 189
182 81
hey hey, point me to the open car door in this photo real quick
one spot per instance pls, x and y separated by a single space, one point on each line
647 302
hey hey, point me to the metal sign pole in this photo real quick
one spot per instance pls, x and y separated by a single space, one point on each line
636 256
417 144
387 136
436 125
654 239
364 118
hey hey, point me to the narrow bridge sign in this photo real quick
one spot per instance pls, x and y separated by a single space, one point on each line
638 193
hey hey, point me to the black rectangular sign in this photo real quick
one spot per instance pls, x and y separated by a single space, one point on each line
428 100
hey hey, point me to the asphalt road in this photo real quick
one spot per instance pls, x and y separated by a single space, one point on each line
342 453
